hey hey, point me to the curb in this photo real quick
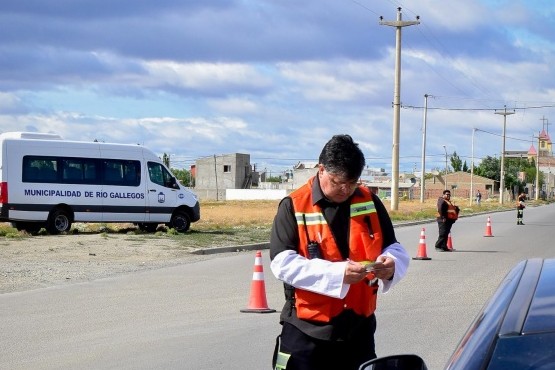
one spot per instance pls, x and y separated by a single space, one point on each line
260 246
237 248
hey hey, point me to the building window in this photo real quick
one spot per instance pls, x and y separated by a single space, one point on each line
227 168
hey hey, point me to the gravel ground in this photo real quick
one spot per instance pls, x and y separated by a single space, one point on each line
42 261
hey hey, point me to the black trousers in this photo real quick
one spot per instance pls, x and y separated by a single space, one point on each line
444 230
308 353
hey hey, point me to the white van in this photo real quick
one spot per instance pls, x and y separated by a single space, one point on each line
49 182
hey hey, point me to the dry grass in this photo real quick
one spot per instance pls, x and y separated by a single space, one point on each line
226 214
226 223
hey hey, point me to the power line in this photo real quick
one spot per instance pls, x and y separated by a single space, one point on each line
478 109
364 6
508 137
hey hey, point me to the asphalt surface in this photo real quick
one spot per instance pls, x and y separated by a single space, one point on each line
189 316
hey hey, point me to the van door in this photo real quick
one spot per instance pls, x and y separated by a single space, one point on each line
123 191
162 193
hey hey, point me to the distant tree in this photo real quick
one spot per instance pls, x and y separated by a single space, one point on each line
456 162
166 160
530 170
273 179
489 167
465 167
183 176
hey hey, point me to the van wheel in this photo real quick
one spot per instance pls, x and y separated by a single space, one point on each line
58 222
180 221
148 227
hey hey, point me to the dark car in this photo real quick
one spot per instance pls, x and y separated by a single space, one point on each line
514 330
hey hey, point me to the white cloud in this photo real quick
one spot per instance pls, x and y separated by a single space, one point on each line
276 79
234 105
201 76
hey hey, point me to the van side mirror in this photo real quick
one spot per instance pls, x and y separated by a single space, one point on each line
396 362
174 183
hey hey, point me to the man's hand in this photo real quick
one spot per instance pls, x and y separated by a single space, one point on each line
386 269
354 272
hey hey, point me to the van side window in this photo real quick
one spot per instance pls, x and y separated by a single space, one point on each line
122 172
79 171
89 171
158 174
40 169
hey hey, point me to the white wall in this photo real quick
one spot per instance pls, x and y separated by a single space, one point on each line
255 194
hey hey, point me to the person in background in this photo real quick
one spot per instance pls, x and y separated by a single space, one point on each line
333 245
447 214
478 197
520 208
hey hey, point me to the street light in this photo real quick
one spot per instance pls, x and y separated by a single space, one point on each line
537 194
472 169
445 177
423 167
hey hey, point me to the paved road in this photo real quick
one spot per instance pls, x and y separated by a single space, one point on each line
188 316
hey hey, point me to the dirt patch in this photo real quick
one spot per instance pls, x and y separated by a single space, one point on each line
42 261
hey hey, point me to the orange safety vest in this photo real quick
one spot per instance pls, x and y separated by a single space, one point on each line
452 213
365 244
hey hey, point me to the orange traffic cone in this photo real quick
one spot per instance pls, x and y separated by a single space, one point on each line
450 243
421 255
257 300
488 228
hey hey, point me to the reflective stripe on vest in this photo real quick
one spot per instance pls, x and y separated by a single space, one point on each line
310 218
362 208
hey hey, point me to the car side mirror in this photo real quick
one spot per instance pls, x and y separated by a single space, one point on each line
396 362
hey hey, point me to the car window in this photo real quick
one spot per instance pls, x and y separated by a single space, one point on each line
541 316
531 352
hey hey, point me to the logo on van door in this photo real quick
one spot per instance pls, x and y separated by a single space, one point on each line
161 197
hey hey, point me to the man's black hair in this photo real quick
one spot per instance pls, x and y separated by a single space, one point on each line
342 156
446 191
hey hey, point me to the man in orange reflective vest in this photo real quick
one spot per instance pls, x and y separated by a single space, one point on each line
333 245
447 214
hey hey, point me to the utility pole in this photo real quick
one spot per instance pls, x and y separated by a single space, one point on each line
537 195
398 24
472 168
445 177
502 179
422 175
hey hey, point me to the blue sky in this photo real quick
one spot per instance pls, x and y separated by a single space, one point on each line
276 79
